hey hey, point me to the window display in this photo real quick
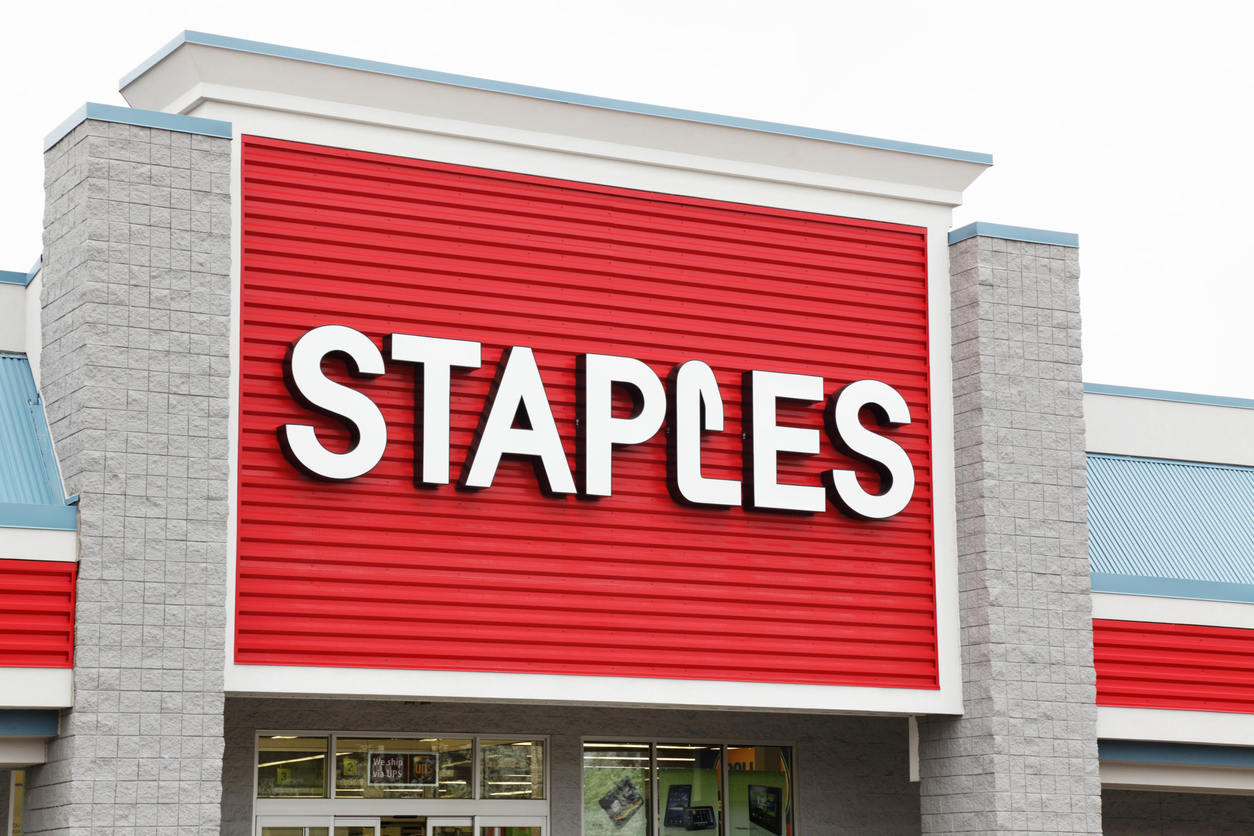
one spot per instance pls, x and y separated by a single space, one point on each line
403 768
437 768
291 767
766 807
760 790
678 797
512 769
616 783
691 780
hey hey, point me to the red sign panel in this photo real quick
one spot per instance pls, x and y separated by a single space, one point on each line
37 613
514 569
1183 666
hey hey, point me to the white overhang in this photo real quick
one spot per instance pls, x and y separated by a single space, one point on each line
22 752
36 688
1170 777
1168 425
196 69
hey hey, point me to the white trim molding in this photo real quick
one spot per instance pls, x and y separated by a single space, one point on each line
354 683
1171 777
22 752
1147 608
36 687
39 544
1219 728
1162 429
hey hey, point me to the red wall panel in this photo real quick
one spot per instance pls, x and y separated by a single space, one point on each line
1143 665
376 572
37 613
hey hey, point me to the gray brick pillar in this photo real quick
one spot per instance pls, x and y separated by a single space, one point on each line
1023 757
136 319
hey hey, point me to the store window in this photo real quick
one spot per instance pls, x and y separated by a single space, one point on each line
674 788
760 790
289 766
512 769
690 787
419 768
616 789
404 768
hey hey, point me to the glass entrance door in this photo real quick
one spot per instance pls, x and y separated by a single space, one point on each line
460 826
509 826
316 826
293 826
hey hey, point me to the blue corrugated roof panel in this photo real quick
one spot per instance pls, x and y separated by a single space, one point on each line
1186 521
28 470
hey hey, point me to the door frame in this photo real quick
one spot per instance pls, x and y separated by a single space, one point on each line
481 822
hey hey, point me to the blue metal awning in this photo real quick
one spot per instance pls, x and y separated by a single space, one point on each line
1188 522
31 495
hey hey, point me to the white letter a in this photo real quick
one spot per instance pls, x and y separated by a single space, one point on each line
517 386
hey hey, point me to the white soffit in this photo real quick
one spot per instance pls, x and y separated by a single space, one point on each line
1169 777
37 688
552 689
1219 728
1164 429
190 74
39 544
1121 607
22 752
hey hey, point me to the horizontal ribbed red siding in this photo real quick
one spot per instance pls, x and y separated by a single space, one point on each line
37 613
1144 665
378 573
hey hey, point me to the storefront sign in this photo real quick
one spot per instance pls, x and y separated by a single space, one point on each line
404 769
493 422
695 407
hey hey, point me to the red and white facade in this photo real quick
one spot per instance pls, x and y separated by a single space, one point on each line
595 428
462 220
508 580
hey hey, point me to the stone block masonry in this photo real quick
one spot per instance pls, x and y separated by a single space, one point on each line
1023 757
136 368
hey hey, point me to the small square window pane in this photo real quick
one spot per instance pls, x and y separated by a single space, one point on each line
760 784
689 788
512 769
616 789
291 767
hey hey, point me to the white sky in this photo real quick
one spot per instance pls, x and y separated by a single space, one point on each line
1129 124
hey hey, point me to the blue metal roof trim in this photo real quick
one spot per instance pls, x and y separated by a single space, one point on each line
1183 521
24 279
28 468
546 94
49 517
1241 593
140 118
1014 233
1189 754
29 722
1165 395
